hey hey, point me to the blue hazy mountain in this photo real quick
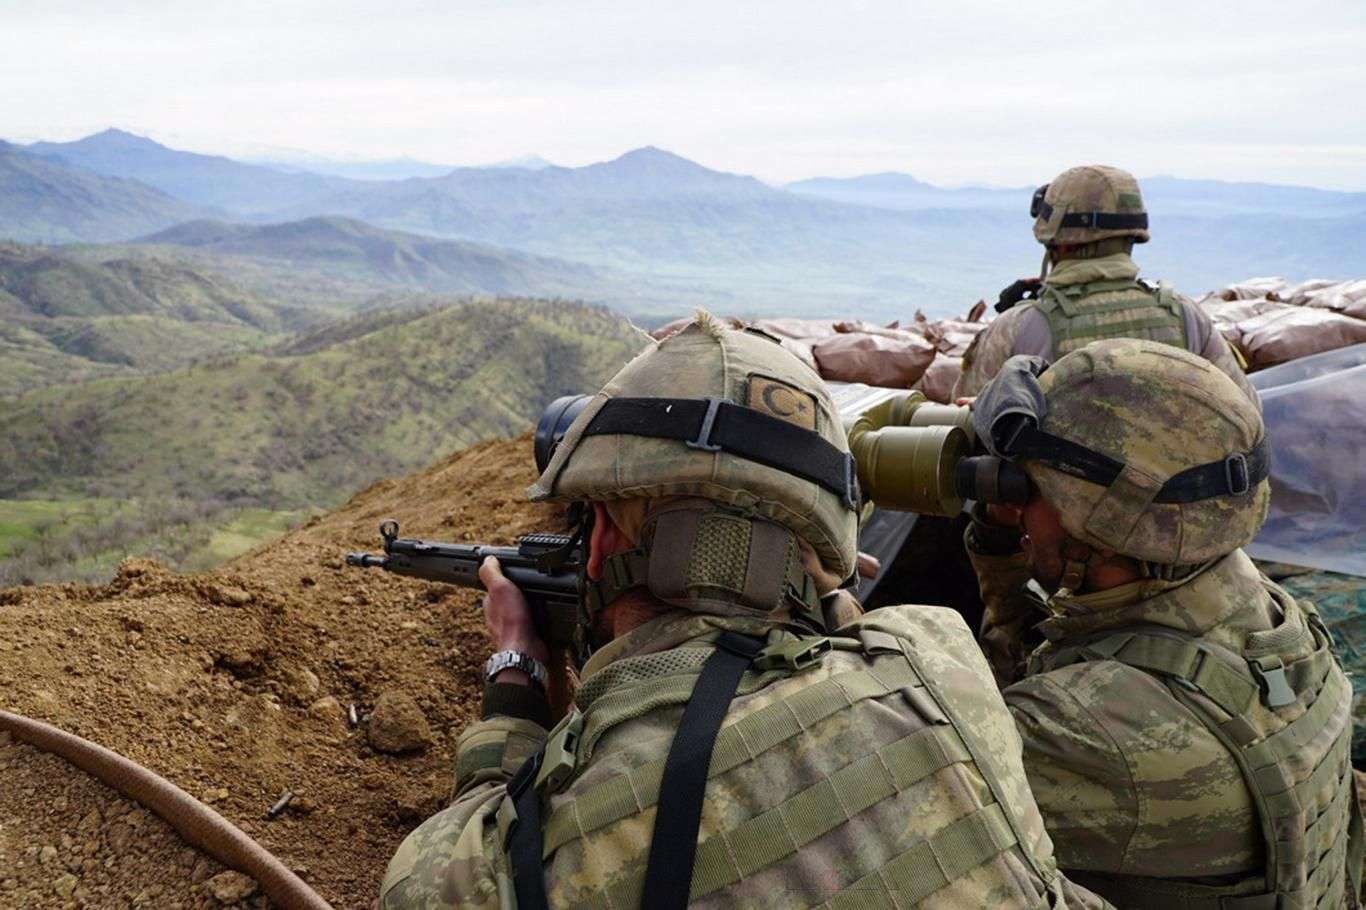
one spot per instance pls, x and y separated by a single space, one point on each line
45 200
1169 195
376 169
893 190
880 246
206 180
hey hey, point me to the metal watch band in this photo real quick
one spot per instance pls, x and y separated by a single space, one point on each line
516 660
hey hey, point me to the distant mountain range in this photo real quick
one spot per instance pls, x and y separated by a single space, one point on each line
211 181
49 201
1164 196
350 249
652 232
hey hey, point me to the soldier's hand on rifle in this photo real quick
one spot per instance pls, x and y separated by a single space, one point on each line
509 620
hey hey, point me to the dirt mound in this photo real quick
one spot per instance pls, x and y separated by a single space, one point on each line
235 685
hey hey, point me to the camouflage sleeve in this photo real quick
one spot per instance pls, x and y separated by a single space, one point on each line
1078 774
1008 612
989 351
1215 348
454 858
1128 779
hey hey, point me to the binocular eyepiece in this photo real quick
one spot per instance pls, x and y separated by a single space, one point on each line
552 426
912 454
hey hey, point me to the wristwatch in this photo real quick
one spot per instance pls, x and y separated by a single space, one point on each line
516 660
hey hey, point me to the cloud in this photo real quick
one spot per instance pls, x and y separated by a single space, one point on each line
966 92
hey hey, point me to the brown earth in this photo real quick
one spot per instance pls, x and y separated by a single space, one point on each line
234 684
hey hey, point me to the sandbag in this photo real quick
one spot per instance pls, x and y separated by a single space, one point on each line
1228 316
1346 297
894 330
1299 294
937 383
893 362
952 336
1253 288
1288 332
797 329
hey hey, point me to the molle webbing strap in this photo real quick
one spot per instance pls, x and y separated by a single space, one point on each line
767 838
524 838
1134 892
743 741
932 863
673 846
1075 317
770 837
713 425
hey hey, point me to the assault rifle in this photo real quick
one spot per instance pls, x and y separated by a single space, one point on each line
544 566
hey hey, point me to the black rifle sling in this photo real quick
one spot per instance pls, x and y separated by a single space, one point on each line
673 848
525 839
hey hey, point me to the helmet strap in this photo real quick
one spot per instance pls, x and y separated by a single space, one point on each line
1077 558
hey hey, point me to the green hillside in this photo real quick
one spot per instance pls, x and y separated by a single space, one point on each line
350 250
66 318
281 432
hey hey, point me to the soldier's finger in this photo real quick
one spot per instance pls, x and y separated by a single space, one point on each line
491 573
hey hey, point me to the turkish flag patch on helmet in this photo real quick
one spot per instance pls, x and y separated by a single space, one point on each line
778 399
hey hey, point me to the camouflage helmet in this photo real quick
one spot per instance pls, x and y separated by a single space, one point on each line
1087 204
712 381
1159 411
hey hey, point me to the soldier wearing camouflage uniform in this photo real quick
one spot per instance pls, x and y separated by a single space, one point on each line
1088 220
1186 726
869 765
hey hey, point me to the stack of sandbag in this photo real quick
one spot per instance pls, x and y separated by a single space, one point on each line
923 355
1252 289
1291 332
1345 297
1272 321
951 338
887 356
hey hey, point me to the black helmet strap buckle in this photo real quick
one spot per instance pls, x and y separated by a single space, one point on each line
1036 205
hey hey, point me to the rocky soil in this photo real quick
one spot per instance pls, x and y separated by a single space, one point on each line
237 685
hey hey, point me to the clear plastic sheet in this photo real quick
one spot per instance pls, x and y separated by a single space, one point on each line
1315 410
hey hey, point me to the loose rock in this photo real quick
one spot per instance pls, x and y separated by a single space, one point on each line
398 725
230 887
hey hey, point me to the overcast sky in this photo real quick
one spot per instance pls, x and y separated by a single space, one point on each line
953 92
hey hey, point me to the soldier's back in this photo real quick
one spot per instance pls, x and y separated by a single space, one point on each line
886 772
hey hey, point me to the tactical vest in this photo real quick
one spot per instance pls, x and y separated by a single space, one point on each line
873 707
1289 728
1079 314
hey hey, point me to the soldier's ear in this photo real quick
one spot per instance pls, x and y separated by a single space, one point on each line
607 540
